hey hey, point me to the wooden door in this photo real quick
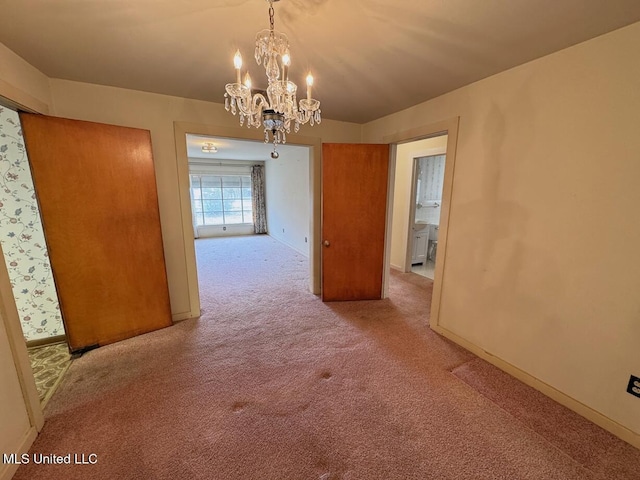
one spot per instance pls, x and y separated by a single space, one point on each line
98 201
354 211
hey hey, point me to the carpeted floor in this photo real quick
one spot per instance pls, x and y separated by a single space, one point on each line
270 383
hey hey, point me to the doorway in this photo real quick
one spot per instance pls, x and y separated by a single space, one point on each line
431 140
26 258
417 204
428 178
23 242
300 230
237 189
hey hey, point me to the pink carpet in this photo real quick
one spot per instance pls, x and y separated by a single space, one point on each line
270 383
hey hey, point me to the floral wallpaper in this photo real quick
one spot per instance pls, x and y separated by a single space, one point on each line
22 237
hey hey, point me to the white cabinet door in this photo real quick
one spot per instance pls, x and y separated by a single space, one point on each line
420 242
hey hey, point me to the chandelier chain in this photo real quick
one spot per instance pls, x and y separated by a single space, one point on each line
271 15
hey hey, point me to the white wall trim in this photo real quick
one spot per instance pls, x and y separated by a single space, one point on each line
18 99
179 317
580 408
9 312
391 183
9 316
305 255
7 471
186 217
232 230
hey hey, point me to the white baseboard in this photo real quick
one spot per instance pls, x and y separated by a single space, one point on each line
306 255
178 317
213 231
8 470
589 413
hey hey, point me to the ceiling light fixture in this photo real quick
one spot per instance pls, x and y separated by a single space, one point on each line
280 107
209 147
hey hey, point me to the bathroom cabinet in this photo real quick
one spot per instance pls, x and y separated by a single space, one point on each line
420 244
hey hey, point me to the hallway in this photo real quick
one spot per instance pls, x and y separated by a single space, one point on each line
271 383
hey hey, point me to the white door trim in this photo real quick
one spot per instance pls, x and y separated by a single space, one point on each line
450 128
11 320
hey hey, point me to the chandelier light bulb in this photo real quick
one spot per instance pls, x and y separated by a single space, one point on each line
237 60
286 61
247 81
309 85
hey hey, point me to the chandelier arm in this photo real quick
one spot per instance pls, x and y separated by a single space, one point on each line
259 103
244 105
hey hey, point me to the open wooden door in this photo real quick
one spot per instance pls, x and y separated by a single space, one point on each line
97 194
354 211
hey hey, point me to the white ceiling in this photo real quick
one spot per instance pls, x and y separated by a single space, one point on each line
370 58
230 149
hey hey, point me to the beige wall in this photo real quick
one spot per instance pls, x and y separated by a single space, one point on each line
23 84
158 113
405 153
288 198
542 262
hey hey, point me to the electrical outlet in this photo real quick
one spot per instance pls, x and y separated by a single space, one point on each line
305 239
283 230
634 386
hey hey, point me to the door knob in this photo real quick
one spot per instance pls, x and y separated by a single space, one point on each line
326 243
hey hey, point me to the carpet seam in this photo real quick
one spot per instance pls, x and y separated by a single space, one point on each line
462 364
535 432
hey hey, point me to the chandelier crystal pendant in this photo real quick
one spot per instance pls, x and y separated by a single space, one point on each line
280 107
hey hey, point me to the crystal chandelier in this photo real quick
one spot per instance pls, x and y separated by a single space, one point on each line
277 107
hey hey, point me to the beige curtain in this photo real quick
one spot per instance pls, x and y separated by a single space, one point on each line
257 194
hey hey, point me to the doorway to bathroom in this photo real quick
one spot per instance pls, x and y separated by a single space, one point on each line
438 138
417 204
428 180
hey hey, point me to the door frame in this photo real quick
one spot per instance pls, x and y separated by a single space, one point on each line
181 129
450 128
11 319
16 100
